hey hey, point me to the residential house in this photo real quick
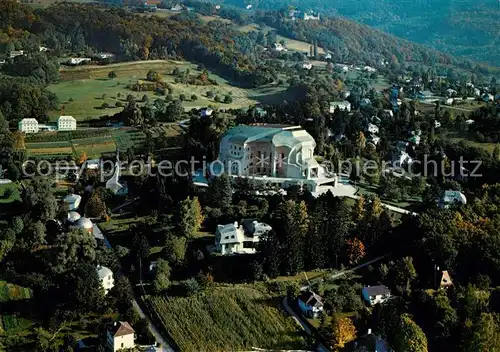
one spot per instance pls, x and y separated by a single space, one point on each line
451 92
328 56
369 69
249 7
277 155
310 304
43 49
205 112
374 139
66 123
106 277
487 97
16 53
120 336
314 16
79 60
371 343
437 124
340 105
28 125
477 92
372 128
450 198
106 56
92 164
279 47
469 122
73 201
449 101
365 102
376 294
176 8
445 281
307 65
239 238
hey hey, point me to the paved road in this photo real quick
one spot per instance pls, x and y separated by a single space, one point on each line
165 347
298 320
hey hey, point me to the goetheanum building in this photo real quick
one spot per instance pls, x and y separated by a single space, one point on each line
278 155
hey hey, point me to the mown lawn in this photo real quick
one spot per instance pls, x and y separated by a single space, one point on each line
9 192
227 319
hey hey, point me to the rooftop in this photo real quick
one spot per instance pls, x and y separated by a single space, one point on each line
376 290
121 328
312 299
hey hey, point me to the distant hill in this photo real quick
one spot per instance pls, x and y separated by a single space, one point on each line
460 27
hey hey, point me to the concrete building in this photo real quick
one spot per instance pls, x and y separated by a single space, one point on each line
66 123
28 125
279 155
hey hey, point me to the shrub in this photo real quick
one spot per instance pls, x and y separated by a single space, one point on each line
105 105
190 287
169 97
228 99
182 97
194 97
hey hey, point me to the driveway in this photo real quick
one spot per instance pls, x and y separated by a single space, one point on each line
165 347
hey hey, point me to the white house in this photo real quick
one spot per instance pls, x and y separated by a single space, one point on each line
106 277
373 128
451 92
104 56
369 69
205 112
176 8
477 92
120 336
279 47
73 201
341 105
449 101
310 304
239 238
469 122
276 155
311 16
307 65
79 60
28 125
376 294
66 123
15 53
437 124
450 198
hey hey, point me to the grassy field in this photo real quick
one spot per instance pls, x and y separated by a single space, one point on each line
83 90
11 292
9 192
227 319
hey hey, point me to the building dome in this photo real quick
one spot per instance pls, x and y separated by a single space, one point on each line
73 216
84 223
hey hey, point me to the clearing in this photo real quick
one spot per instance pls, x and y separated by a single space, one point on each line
227 319
83 90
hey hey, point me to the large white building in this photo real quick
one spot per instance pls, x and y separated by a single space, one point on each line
277 155
28 125
120 336
66 123
239 238
106 277
340 105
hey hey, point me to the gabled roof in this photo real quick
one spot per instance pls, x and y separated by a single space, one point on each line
445 280
376 290
103 272
121 328
311 299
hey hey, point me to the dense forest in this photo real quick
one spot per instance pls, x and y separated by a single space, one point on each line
464 28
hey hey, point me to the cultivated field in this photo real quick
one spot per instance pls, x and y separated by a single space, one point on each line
11 292
83 90
227 319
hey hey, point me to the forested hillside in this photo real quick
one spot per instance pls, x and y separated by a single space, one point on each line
465 27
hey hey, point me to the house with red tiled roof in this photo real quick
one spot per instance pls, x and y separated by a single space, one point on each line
120 336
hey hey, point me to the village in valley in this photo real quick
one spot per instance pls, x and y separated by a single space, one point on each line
189 176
